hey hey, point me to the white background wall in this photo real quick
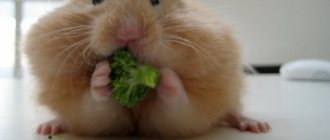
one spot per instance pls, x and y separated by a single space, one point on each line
277 31
269 31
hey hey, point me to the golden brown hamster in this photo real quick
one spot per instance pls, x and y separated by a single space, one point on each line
196 53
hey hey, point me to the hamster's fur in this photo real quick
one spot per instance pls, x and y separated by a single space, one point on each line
64 46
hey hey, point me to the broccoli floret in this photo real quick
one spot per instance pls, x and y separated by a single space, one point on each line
130 79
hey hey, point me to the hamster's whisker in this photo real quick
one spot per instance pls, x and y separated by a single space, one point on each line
68 51
61 47
87 54
77 63
170 15
184 26
72 46
181 29
183 43
63 30
71 34
74 28
188 43
163 46
197 48
74 65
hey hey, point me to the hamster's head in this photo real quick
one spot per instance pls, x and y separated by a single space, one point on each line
137 25
157 32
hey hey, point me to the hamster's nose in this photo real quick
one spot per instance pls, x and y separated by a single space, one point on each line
128 34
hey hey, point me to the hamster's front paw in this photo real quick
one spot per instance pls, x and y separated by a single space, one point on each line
100 82
172 114
170 89
53 127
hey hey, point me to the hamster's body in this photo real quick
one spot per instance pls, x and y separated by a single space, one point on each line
65 45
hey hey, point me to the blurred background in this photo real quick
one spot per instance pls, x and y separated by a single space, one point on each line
271 32
16 17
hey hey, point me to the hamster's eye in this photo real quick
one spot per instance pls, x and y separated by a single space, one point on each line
96 2
154 2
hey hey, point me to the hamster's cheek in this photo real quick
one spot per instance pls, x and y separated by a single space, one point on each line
102 37
102 48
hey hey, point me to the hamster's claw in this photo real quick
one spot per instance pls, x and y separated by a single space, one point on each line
246 124
100 82
254 126
53 127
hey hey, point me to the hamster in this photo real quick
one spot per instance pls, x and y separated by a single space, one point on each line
196 53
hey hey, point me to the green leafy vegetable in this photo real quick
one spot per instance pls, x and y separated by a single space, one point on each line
130 79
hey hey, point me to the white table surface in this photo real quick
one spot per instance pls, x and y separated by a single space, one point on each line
296 111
